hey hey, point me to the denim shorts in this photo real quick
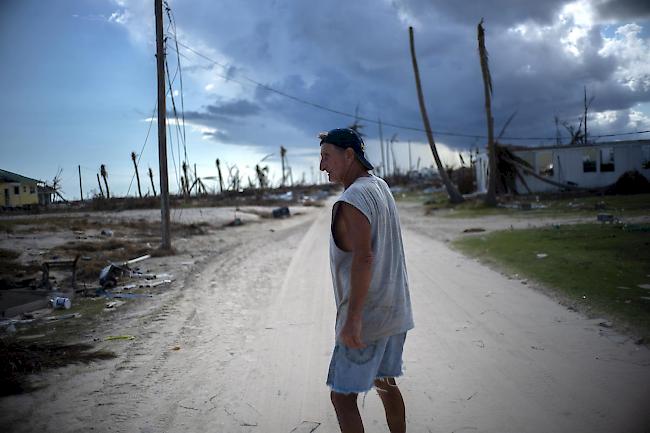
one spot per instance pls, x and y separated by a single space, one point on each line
355 370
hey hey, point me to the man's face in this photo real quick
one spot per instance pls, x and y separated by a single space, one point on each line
333 161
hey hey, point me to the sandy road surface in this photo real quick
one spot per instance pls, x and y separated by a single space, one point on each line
255 330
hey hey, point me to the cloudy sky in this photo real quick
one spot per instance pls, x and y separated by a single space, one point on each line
79 79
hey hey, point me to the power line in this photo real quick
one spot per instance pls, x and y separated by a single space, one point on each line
365 119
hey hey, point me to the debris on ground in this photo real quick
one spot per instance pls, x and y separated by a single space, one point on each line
235 222
474 230
630 182
541 255
281 212
61 264
606 218
119 337
60 302
110 274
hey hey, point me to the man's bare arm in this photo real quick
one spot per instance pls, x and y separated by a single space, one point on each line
360 239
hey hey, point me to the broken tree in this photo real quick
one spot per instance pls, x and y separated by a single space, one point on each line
454 195
137 175
491 196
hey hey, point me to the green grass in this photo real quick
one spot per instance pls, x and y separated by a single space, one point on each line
620 206
587 264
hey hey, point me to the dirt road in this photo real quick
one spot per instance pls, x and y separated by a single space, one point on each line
255 331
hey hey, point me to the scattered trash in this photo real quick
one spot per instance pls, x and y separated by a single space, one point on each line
474 230
45 279
479 343
605 218
154 283
471 396
107 232
128 295
235 222
60 302
644 286
541 255
536 348
176 348
623 288
119 337
113 304
110 274
605 324
281 212
524 281
62 317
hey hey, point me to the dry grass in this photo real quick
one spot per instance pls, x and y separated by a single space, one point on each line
18 360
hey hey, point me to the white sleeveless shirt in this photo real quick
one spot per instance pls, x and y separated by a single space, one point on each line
387 308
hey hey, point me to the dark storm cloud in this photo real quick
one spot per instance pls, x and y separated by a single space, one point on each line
238 108
497 12
346 54
624 9
219 136
225 112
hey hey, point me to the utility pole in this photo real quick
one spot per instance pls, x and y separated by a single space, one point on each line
283 153
381 144
162 124
81 191
410 165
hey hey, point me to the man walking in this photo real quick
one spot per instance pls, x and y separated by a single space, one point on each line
370 285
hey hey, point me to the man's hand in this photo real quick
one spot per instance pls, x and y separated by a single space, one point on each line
351 333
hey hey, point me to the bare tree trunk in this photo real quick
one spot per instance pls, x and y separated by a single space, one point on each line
186 182
152 184
454 195
586 109
101 191
220 176
137 175
104 173
491 196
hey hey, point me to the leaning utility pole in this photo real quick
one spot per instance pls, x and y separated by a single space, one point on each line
81 191
162 124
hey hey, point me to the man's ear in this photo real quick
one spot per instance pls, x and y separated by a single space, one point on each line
349 153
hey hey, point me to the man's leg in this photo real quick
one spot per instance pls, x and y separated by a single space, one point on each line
347 412
393 404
